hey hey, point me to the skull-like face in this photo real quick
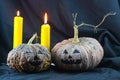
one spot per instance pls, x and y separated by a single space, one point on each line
71 57
69 54
29 58
36 56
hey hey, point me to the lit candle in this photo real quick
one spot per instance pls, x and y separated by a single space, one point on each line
18 30
45 33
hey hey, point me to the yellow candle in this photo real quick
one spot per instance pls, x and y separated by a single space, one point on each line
18 30
45 33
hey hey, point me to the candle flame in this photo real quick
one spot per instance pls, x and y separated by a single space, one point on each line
45 18
18 13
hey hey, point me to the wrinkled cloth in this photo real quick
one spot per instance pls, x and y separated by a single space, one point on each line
61 21
97 74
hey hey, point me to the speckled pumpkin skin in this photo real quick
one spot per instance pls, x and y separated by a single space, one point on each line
82 56
29 58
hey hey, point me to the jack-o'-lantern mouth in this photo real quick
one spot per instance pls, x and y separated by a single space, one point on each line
36 62
71 61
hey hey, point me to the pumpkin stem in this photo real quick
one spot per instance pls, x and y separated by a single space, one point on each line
32 38
76 39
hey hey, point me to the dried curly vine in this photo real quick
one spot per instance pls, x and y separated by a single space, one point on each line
75 40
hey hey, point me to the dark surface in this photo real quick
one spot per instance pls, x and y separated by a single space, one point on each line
61 21
53 74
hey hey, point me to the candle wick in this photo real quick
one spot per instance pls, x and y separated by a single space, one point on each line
45 23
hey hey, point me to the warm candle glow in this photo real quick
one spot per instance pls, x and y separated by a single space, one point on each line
18 13
45 33
45 18
18 30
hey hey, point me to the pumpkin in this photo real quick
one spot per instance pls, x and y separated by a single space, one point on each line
78 53
77 56
29 57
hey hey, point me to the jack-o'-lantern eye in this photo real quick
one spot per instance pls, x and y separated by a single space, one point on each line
65 51
39 52
28 51
69 57
76 51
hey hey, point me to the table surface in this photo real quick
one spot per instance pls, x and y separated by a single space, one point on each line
53 74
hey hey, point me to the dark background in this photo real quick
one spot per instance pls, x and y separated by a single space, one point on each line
61 21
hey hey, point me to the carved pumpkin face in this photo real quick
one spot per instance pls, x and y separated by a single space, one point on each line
71 56
77 56
29 58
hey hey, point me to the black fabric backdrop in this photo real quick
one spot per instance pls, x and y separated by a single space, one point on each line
61 21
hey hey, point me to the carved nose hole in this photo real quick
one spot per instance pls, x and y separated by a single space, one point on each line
36 58
36 61
69 57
